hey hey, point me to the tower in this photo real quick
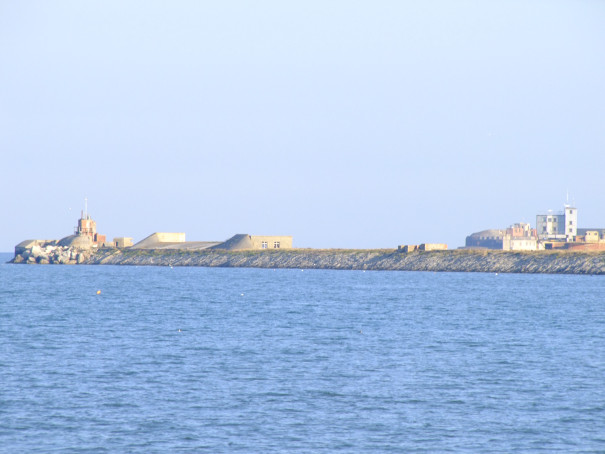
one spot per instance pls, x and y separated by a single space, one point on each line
571 222
86 226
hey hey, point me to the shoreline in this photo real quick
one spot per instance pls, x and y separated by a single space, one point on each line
489 261
457 260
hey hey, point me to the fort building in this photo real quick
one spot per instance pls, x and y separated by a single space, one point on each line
517 237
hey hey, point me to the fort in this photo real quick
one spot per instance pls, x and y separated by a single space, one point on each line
517 249
554 230
86 242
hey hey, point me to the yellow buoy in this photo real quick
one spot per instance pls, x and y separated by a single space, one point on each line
98 292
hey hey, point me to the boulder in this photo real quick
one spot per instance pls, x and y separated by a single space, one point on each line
18 259
35 251
43 261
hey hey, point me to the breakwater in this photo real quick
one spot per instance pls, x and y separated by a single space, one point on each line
552 262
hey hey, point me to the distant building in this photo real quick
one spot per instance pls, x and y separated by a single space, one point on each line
422 247
407 248
432 247
560 226
88 228
518 237
122 242
243 241
85 234
590 235
487 239
165 240
271 242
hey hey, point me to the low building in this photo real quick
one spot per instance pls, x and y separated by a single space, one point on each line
510 243
591 235
432 247
271 242
122 242
407 248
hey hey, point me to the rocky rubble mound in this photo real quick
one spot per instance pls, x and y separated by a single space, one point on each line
51 254
552 262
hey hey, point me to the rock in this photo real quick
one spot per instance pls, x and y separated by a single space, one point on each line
36 251
80 258
31 259
43 261
18 259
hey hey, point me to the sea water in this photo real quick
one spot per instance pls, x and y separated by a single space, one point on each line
221 360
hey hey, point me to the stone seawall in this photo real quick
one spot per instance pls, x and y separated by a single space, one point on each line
552 262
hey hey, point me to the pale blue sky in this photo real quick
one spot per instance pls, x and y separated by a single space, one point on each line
342 123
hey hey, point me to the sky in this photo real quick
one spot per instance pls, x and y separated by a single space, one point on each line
346 124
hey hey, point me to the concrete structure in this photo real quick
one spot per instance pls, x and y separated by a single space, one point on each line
240 242
407 248
160 240
78 242
561 226
432 247
122 241
271 242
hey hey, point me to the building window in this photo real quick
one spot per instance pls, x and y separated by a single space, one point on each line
570 230
570 222
276 245
264 245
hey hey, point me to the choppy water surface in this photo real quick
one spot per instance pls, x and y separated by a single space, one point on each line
251 360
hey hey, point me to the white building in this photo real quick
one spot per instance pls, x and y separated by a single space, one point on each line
561 226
